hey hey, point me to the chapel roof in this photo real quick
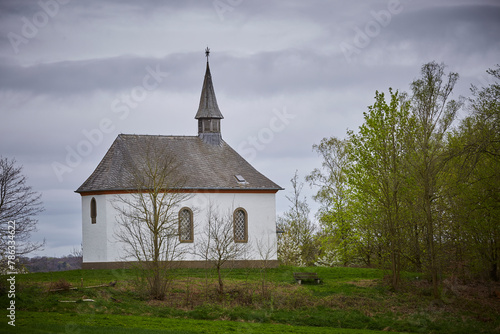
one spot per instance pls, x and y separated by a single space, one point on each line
202 166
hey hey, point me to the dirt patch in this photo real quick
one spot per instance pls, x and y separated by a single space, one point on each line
479 293
364 283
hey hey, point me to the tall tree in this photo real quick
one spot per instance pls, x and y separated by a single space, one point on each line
297 226
475 148
333 194
378 173
148 218
19 204
434 113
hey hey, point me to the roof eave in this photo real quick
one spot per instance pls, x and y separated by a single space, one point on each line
185 189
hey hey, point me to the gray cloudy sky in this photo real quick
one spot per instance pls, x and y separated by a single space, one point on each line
74 74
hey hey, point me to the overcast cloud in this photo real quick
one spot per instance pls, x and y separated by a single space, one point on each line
80 72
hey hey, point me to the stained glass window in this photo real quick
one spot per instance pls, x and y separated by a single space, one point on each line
240 225
186 225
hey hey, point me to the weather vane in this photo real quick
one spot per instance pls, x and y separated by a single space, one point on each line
207 52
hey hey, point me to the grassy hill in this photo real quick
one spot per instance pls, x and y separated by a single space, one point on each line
349 300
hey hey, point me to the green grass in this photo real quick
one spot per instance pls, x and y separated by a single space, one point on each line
90 277
44 322
282 274
347 298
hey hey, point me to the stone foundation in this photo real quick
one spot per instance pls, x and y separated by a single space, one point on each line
185 264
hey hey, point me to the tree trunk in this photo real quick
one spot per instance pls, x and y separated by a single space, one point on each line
430 243
221 282
418 259
494 272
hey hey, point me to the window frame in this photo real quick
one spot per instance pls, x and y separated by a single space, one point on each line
191 223
93 211
245 239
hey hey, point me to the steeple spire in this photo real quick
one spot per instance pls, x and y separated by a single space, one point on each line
208 102
208 114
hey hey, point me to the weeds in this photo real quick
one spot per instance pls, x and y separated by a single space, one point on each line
62 284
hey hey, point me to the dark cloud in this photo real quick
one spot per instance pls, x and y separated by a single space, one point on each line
466 29
83 76
18 8
267 73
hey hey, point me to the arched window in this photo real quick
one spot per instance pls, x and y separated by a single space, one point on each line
186 225
240 222
93 211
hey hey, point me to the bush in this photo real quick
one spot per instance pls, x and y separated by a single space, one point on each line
62 284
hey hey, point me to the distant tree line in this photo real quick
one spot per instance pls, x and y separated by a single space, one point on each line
413 189
45 263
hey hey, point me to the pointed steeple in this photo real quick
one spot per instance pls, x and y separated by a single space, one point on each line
208 102
208 114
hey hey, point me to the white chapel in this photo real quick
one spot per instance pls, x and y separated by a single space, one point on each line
214 173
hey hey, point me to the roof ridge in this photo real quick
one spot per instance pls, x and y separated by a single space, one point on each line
146 135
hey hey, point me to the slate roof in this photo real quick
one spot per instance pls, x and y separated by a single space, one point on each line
208 107
204 166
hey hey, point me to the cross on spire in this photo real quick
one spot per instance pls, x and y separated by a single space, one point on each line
207 53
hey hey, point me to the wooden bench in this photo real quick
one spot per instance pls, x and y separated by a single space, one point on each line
299 277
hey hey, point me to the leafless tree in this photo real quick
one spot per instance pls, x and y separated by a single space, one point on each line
216 244
77 252
267 250
19 204
148 217
297 243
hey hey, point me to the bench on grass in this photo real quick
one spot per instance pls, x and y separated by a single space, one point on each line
299 277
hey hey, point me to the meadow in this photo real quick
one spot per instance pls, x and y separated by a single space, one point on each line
348 300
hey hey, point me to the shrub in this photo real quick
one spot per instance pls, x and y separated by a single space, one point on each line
62 284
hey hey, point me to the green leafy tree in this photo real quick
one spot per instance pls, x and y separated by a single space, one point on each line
337 236
378 173
434 113
474 199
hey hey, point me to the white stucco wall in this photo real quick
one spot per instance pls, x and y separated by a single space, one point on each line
94 236
99 244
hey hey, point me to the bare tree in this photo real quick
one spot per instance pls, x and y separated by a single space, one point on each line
77 251
267 250
148 218
19 204
216 244
298 229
